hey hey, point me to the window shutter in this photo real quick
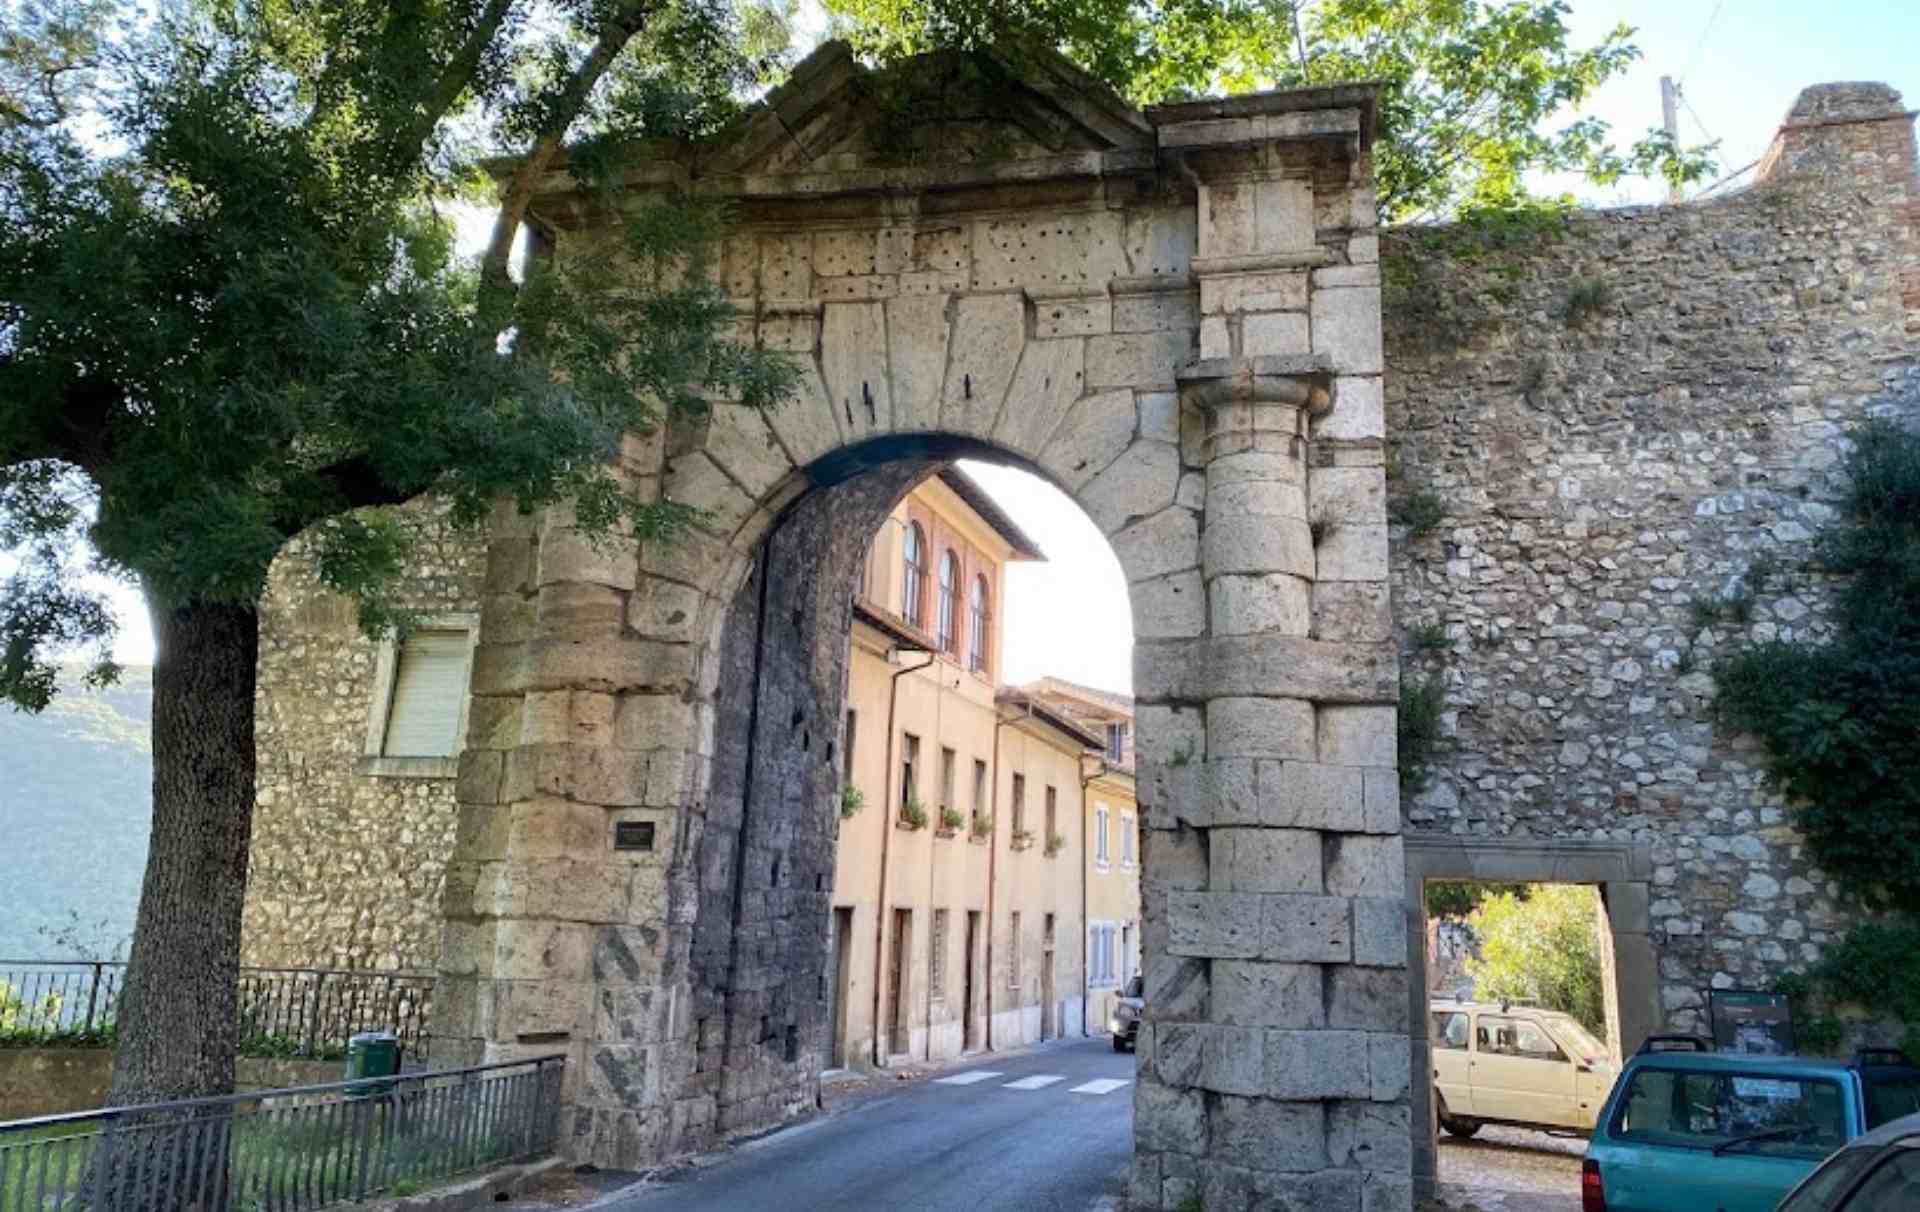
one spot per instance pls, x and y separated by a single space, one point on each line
429 689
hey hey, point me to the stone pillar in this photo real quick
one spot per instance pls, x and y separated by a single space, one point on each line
1274 1063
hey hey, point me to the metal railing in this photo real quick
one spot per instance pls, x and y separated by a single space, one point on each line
283 1150
307 1012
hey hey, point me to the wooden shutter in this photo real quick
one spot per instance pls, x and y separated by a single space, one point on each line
429 690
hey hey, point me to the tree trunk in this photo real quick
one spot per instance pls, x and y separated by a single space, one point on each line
178 1015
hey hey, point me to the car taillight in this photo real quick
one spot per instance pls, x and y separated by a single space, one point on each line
1593 1196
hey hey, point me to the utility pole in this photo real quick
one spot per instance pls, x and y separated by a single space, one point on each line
1670 118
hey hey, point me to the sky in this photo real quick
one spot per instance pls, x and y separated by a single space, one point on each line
1739 64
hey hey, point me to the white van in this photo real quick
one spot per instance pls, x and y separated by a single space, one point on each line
1519 1065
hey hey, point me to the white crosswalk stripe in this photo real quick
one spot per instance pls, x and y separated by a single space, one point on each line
1038 1081
968 1078
1104 1085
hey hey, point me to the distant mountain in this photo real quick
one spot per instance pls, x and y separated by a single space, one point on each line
76 804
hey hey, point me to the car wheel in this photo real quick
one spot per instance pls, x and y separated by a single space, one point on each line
1453 1125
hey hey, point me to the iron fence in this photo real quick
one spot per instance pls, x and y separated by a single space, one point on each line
283 1150
307 1012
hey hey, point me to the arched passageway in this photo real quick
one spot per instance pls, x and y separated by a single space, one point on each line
1175 317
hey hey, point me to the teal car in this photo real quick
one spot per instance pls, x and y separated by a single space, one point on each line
1687 1129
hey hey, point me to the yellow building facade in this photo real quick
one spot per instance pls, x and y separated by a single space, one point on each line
970 910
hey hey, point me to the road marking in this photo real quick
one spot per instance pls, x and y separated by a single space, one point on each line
1038 1081
1104 1085
966 1079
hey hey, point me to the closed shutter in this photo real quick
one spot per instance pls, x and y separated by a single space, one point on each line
429 689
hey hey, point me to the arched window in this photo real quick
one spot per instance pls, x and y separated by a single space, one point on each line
977 654
948 612
913 590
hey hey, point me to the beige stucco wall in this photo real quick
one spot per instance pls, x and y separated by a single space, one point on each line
1113 887
951 708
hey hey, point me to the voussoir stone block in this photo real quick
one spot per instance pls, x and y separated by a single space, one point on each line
987 334
1260 728
1170 607
1095 432
1169 541
1140 483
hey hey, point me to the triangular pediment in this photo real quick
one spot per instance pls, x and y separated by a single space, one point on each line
835 115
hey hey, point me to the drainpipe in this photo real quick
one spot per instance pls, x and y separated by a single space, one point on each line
993 850
1086 856
886 845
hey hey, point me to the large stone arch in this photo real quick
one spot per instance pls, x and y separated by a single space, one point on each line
1173 315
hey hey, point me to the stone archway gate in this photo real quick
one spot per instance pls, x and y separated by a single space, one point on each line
1175 315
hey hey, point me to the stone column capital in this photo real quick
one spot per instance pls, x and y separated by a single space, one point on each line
1256 403
1296 380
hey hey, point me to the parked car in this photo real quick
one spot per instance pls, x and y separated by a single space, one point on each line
1502 1063
1879 1172
1687 1129
1127 1009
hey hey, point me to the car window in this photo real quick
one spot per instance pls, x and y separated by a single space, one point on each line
1136 986
1825 1185
1891 1096
1894 1185
1450 1030
1703 1110
1516 1037
1581 1040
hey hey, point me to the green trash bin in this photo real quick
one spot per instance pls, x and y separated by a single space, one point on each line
372 1054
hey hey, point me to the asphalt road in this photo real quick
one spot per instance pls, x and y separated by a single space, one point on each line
954 1143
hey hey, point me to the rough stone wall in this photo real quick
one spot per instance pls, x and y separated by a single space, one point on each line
345 868
1621 419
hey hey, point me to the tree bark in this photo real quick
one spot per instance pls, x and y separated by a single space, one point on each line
178 1015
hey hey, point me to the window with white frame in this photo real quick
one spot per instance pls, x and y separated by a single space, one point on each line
1100 958
1127 857
1100 836
417 718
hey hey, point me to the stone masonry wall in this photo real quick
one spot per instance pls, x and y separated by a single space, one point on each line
1642 410
346 868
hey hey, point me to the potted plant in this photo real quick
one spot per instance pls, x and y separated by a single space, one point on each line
913 813
982 828
851 801
950 821
1022 838
1055 844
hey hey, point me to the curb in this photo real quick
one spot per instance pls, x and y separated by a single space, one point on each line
495 1186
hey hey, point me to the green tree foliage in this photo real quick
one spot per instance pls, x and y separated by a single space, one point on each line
1545 947
1459 898
1477 95
231 313
1840 720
